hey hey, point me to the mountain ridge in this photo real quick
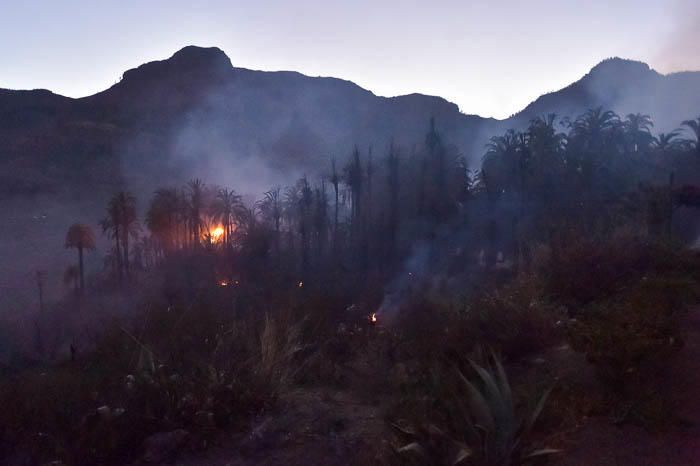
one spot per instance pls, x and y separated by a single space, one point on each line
195 114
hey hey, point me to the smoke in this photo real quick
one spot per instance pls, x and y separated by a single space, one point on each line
436 269
413 276
681 49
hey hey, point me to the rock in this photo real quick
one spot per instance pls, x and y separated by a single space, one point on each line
162 446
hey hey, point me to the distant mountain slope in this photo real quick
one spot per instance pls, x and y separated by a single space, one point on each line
624 86
196 114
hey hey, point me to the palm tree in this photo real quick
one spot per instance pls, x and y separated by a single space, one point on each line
353 179
271 208
71 277
224 209
594 127
591 139
196 188
694 126
120 224
305 203
80 237
637 127
501 161
335 181
393 182
162 218
290 211
665 142
545 144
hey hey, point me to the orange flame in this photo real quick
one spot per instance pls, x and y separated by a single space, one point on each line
217 233
373 318
301 284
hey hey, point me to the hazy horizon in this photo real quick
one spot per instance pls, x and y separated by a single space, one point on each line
499 59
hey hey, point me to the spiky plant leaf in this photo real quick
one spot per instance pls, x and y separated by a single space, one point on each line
541 453
463 453
413 447
478 405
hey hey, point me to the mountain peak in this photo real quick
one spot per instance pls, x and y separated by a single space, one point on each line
190 59
618 66
193 56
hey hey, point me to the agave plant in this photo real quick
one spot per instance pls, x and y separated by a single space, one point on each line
489 431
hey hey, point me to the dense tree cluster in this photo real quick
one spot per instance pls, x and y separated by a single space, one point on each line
365 215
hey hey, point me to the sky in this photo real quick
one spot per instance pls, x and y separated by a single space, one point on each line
491 58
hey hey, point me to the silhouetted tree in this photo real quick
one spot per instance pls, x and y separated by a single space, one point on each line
121 223
694 127
272 209
638 131
224 210
80 237
196 206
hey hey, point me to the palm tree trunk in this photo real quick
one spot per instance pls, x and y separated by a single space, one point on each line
335 220
126 252
118 251
80 266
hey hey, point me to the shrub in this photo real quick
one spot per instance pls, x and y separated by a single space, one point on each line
587 269
484 424
631 336
517 320
188 369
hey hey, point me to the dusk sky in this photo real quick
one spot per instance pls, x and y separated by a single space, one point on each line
491 58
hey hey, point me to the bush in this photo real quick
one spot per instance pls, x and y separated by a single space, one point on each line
589 269
186 370
630 337
517 320
480 422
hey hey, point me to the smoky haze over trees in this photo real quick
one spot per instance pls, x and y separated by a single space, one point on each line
193 115
363 216
394 241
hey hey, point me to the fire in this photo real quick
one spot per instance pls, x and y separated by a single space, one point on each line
373 318
301 284
217 233
223 283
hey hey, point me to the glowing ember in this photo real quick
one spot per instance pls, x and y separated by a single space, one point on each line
373 318
301 284
223 283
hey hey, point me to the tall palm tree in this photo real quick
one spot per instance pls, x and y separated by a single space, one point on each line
501 161
224 210
196 192
694 126
354 180
120 224
542 135
305 203
335 181
80 237
663 143
593 137
271 208
637 127
111 226
162 218
71 277
595 126
290 211
393 181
